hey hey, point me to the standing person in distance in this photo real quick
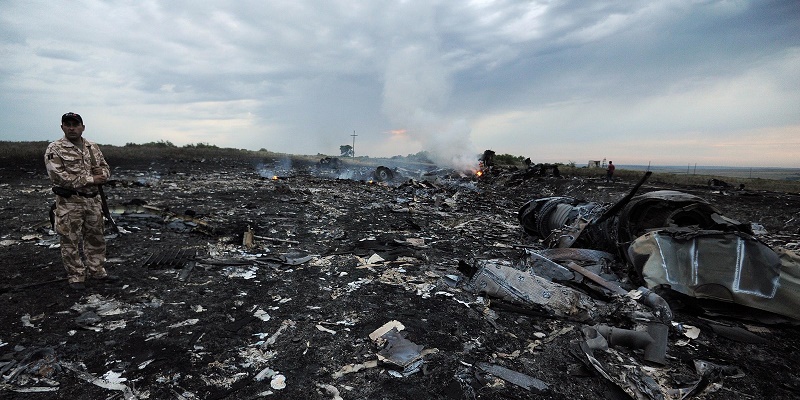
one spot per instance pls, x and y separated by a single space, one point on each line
76 168
610 172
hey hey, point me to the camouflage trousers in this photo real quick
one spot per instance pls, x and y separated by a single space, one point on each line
79 222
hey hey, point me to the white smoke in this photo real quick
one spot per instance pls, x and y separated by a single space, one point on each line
415 95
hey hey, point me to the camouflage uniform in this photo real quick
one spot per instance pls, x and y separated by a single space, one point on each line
78 218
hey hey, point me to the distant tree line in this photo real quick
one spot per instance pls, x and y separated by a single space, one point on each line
166 144
508 159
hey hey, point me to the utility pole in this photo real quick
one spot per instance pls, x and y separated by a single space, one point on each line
687 173
354 143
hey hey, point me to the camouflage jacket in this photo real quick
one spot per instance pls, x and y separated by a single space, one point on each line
71 167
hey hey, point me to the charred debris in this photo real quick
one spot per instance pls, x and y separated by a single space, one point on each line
331 281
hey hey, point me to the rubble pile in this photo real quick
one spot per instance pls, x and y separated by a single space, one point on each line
269 279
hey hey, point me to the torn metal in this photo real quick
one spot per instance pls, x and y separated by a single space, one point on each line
497 278
731 267
524 381
670 239
402 355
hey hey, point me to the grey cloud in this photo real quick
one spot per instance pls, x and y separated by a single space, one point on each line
323 69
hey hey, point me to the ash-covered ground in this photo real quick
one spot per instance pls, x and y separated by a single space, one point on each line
201 314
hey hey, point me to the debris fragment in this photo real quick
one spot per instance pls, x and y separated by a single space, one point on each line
331 390
737 334
278 382
188 322
265 373
324 329
89 320
127 393
627 376
262 315
26 321
247 240
526 382
690 331
401 352
497 278
350 368
376 335
653 340
287 323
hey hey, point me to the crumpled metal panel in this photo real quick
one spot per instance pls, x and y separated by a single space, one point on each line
725 266
548 262
583 223
666 208
526 288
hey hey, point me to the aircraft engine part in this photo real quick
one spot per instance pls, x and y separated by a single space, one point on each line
566 216
665 208
383 174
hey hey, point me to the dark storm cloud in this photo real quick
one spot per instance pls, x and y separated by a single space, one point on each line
679 76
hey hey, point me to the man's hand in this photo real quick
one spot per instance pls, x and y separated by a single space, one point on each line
98 176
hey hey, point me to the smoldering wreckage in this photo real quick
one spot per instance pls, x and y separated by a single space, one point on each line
244 280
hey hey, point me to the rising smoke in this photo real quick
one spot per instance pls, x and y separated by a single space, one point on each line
416 91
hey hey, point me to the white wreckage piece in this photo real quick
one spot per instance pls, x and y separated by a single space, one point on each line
403 356
499 279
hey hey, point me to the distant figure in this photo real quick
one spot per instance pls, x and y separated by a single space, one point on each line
610 172
488 158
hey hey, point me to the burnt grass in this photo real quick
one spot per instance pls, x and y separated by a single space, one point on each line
205 335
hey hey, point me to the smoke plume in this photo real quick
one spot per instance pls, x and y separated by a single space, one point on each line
415 95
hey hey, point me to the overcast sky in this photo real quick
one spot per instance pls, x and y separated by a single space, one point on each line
665 82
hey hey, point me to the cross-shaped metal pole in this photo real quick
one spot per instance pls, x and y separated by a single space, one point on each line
354 143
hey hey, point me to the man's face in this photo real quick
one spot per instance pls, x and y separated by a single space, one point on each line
72 129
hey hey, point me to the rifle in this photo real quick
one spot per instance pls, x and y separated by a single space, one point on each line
103 199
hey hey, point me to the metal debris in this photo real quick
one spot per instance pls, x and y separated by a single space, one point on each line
526 382
127 392
497 278
172 258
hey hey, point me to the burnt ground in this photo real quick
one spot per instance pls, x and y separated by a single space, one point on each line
199 315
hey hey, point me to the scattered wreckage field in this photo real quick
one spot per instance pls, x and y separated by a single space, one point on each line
258 278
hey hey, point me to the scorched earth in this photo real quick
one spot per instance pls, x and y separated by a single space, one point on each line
251 278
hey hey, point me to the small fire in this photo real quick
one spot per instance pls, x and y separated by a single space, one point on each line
274 177
479 171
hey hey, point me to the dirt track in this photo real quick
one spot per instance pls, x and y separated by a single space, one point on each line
302 302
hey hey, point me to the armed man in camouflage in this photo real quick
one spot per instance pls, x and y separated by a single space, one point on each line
76 168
